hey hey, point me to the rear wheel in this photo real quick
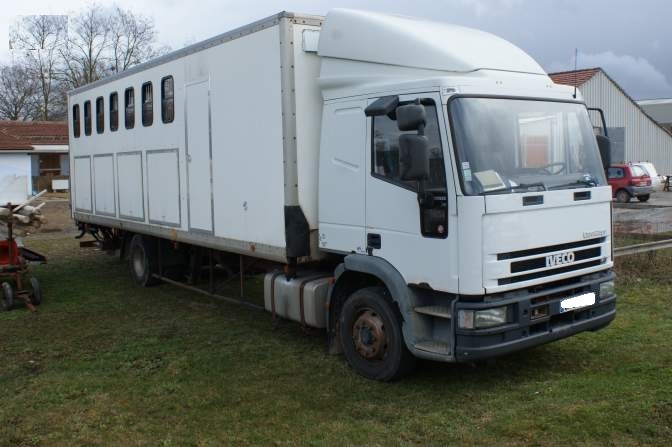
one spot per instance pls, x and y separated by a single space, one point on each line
643 197
622 196
142 260
371 337
7 296
36 297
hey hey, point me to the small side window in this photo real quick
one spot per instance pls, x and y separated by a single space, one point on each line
100 115
147 104
87 118
114 111
167 99
129 108
75 121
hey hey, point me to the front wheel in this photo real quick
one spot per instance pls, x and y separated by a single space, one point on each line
643 197
371 337
7 296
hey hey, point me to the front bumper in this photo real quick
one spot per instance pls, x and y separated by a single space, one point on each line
530 326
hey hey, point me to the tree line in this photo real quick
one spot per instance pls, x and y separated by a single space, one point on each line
51 54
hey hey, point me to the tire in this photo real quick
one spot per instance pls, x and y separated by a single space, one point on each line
36 297
644 197
623 196
142 260
371 337
7 296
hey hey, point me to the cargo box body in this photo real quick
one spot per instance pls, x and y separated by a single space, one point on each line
235 169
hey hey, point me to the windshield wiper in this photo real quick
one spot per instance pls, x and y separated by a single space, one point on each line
587 181
521 187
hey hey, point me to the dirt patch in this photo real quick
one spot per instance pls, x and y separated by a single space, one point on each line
57 214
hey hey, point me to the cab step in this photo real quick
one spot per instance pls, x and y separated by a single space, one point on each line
436 311
435 347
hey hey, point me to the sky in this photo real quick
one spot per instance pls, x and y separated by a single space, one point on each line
629 39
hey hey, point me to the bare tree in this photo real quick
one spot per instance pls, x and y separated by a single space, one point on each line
59 54
39 39
132 40
85 51
17 93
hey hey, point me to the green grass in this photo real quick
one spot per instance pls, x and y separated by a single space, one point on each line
104 362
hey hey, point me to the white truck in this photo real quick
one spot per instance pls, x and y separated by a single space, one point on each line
429 191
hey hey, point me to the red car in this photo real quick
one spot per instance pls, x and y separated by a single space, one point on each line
628 181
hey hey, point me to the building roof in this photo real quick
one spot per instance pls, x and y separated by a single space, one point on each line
577 78
662 101
574 78
32 135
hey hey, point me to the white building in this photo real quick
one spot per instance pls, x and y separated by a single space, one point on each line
33 156
635 136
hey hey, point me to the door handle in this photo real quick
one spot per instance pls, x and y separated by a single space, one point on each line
373 241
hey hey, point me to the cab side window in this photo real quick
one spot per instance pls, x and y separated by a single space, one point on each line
385 149
387 165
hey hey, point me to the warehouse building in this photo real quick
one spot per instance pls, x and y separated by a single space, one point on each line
660 110
634 134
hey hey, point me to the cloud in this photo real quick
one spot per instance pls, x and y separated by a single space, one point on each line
489 7
639 77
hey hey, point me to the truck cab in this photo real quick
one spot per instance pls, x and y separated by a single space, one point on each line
463 188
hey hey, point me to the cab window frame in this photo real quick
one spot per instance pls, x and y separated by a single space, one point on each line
100 115
129 108
167 113
87 118
76 122
114 111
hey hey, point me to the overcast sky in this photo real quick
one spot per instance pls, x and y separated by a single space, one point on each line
630 39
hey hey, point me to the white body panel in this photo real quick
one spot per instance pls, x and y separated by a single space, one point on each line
163 187
130 183
81 194
103 186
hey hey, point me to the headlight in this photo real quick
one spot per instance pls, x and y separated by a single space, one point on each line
469 319
607 288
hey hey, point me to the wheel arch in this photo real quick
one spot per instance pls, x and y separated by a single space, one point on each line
357 272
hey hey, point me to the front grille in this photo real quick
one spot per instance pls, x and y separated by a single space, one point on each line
550 248
540 263
543 273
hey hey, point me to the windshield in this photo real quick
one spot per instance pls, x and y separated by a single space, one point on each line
507 145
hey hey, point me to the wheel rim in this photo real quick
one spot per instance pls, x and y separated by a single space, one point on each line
138 258
368 335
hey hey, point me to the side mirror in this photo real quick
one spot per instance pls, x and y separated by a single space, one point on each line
413 149
604 145
411 117
414 157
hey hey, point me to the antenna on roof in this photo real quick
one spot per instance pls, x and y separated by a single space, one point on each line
576 58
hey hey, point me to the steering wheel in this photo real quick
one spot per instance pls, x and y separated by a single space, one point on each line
547 168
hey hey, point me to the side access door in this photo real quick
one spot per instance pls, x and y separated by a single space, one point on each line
199 156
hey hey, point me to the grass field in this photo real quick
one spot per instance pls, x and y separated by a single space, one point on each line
104 362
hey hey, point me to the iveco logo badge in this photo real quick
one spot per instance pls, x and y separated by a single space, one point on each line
560 259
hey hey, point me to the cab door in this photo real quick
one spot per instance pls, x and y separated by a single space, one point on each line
412 238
